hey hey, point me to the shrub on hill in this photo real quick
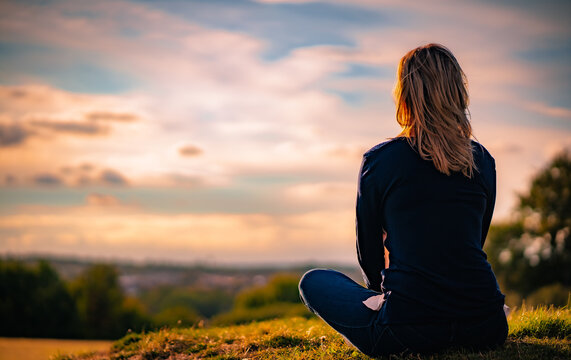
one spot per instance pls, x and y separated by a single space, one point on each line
282 288
203 303
277 299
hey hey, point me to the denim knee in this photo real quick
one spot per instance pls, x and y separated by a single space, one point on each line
308 282
305 281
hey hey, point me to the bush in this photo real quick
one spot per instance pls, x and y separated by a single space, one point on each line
282 288
203 302
177 316
277 299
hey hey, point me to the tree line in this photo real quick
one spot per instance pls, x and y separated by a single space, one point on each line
36 302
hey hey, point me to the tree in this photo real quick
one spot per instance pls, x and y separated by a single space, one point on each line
104 311
534 250
34 302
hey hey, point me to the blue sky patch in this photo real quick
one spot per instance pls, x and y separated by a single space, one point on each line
71 71
283 27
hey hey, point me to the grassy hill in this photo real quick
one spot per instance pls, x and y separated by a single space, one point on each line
543 333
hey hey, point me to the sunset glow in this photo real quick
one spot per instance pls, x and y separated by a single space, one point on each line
232 131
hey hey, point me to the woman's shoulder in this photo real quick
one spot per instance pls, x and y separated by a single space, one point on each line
482 154
391 145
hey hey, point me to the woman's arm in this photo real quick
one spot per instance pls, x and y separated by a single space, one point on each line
490 203
370 249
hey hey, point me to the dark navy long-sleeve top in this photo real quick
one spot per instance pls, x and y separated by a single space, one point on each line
436 225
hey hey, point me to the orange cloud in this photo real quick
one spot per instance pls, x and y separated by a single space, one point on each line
190 150
12 134
96 199
103 229
70 127
264 117
110 116
42 112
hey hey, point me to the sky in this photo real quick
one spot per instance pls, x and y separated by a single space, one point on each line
231 132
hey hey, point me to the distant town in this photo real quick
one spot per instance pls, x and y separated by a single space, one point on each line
136 278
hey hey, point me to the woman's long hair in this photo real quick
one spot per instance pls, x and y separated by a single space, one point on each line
431 101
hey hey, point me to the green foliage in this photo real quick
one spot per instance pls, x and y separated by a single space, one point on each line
279 298
34 302
128 342
281 288
203 302
176 316
103 310
133 315
181 307
534 249
298 338
550 195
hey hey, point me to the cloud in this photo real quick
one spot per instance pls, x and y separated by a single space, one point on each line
71 127
47 180
285 1
12 134
86 167
282 119
110 116
184 180
503 146
112 177
36 111
96 199
36 98
343 151
190 150
324 195
81 175
10 179
100 230
553 111
91 123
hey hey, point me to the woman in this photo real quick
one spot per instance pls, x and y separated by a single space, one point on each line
427 196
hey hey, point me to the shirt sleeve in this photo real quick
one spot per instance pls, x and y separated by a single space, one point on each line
370 249
490 203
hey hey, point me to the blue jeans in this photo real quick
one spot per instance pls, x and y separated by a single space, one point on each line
338 300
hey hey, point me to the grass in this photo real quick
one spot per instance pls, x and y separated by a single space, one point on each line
541 322
542 333
267 312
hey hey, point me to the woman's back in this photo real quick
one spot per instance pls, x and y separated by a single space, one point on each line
436 226
428 195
